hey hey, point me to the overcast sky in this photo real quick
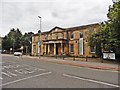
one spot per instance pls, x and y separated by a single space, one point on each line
23 14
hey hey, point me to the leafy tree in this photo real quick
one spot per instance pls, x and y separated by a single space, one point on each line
26 42
107 35
12 40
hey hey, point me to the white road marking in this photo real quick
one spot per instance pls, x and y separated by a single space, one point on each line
8 67
6 74
90 80
18 71
11 73
26 78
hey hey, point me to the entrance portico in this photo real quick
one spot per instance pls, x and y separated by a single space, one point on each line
53 47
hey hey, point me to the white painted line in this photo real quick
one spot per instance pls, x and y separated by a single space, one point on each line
90 80
5 67
26 78
6 74
11 73
18 72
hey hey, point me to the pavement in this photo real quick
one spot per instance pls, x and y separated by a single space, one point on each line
93 63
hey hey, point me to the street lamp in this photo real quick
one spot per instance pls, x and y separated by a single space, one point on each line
39 36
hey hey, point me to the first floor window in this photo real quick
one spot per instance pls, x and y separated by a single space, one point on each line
62 35
45 37
71 35
50 36
34 38
72 48
81 34
56 35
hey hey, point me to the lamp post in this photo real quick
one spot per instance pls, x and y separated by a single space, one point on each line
39 42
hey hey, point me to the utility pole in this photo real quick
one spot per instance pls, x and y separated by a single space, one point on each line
39 41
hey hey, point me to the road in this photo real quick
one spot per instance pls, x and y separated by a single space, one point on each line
24 72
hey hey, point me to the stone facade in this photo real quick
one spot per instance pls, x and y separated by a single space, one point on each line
68 41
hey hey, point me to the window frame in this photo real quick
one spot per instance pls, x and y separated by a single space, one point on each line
71 48
62 35
51 36
56 35
34 38
81 34
71 35
46 36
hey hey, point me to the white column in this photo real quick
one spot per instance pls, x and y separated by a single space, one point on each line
54 48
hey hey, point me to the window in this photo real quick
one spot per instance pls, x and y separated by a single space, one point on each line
62 35
71 48
81 34
50 36
56 35
34 48
92 49
45 37
71 35
34 38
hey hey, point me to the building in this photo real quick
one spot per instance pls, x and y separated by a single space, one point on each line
68 41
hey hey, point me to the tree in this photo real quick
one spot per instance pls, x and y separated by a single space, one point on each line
12 40
108 32
26 41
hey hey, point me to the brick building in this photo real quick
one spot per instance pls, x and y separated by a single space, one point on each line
68 41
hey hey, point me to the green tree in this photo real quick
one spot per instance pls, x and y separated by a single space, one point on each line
107 35
12 40
27 41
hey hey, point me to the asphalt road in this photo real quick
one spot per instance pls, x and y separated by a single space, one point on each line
23 72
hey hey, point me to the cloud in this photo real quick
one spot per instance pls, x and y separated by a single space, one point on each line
24 14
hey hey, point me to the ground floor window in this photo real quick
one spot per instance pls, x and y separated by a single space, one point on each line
34 48
71 48
51 47
92 49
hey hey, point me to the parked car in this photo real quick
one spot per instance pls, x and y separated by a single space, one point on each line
17 54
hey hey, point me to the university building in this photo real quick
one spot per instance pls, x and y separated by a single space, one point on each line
64 41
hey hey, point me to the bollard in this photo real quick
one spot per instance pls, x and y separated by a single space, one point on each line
101 59
63 57
73 58
56 56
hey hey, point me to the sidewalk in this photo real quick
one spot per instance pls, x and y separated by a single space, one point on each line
106 65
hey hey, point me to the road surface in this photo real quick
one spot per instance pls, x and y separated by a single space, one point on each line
24 72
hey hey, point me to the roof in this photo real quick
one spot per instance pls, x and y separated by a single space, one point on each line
68 29
82 27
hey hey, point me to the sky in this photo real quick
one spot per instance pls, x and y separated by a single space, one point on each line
23 14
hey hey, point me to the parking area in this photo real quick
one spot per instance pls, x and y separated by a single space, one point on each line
13 72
